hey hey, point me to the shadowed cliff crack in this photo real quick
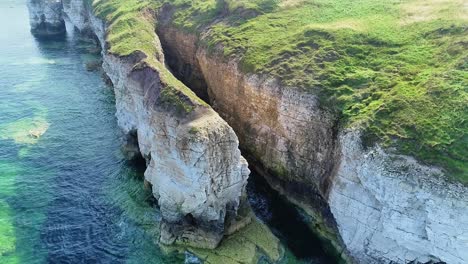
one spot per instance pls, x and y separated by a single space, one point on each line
131 150
185 72
280 215
286 222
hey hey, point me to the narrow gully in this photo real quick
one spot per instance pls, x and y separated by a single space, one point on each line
283 218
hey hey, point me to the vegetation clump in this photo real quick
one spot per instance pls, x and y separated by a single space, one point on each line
131 30
247 245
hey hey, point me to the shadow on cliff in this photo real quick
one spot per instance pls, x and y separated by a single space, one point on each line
286 222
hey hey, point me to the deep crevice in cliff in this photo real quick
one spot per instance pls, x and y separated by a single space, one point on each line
185 72
286 221
283 217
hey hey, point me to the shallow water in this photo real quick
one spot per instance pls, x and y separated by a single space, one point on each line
66 193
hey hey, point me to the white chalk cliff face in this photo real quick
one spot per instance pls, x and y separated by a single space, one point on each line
390 208
386 208
46 17
194 165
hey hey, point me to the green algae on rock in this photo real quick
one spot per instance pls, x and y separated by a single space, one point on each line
7 230
370 73
246 246
7 234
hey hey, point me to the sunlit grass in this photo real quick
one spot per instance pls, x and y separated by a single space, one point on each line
132 29
395 68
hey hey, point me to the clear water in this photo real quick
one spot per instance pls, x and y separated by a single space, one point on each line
66 193
67 196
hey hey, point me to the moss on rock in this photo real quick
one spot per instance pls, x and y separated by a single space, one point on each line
131 30
244 246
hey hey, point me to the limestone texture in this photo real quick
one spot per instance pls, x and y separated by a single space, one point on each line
194 164
390 208
373 206
46 17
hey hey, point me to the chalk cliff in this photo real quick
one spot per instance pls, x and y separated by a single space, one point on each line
46 17
194 165
390 208
371 205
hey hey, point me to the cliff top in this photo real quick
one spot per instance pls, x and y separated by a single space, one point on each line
398 68
131 30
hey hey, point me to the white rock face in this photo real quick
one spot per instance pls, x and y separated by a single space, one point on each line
387 209
194 165
76 13
45 17
390 208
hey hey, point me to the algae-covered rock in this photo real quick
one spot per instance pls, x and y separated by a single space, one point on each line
26 130
244 247
7 231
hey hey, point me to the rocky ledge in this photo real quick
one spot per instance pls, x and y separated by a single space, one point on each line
372 205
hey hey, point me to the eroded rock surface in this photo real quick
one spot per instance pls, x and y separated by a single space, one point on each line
390 208
194 165
376 207
45 17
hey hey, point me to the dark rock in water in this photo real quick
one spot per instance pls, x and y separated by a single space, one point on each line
94 65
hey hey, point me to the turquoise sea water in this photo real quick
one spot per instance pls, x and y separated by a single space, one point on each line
66 193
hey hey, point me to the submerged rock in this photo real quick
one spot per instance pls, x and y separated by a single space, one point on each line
26 130
373 206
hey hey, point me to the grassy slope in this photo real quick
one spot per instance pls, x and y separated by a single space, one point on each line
396 67
132 30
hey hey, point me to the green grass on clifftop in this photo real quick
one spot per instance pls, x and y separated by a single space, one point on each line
397 68
131 28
